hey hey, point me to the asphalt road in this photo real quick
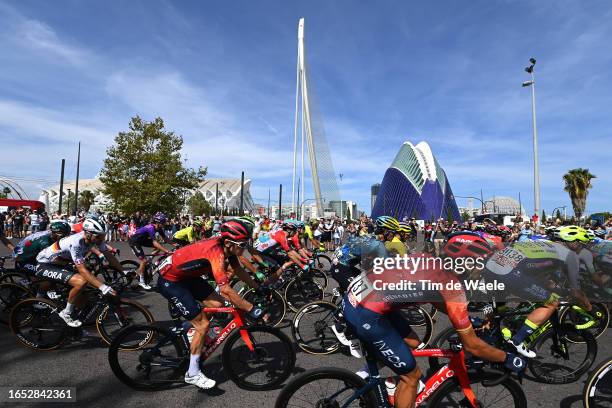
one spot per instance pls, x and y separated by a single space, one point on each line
84 366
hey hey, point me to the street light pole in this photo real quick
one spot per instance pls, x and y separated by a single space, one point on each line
536 166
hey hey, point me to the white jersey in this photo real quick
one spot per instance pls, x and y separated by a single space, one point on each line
72 248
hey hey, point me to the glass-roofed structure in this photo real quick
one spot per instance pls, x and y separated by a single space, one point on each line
415 185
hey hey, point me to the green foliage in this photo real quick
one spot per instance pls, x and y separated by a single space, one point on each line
5 192
86 199
558 215
577 184
144 172
465 215
68 204
198 205
543 216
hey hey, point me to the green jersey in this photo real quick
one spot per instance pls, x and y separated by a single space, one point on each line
30 246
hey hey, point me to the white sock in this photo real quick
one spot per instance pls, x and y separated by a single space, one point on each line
142 279
69 307
194 365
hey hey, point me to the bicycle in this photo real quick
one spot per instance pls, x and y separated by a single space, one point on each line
597 391
564 353
13 275
312 326
36 323
158 356
449 386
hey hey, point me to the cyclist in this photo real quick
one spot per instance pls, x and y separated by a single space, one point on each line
373 313
145 237
188 235
26 251
278 246
53 264
180 281
527 267
387 230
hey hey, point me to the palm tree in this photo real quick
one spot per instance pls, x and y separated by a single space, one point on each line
577 184
86 199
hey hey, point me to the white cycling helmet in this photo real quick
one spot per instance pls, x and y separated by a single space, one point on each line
95 226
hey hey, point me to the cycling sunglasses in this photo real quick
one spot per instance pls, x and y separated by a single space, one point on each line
242 244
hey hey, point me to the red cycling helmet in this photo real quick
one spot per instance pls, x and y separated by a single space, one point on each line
466 245
234 231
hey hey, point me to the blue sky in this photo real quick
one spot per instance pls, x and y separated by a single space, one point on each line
222 74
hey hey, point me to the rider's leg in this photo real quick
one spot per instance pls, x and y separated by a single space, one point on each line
77 282
534 320
405 393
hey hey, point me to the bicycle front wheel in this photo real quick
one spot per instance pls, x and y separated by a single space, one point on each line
507 394
265 367
10 295
597 392
325 387
120 314
148 357
274 304
312 328
565 362
302 291
576 317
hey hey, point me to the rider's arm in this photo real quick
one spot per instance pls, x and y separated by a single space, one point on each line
113 261
91 279
295 257
160 247
242 274
246 263
479 348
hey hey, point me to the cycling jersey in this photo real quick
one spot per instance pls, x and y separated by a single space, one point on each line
72 248
146 235
186 234
27 250
268 241
526 267
385 291
204 257
396 246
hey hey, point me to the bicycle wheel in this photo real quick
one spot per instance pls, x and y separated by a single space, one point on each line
597 391
119 314
420 321
575 316
325 387
301 291
10 295
267 366
148 357
16 278
507 394
322 262
566 362
36 324
319 277
274 304
311 328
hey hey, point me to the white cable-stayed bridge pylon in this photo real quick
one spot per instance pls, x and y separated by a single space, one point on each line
310 126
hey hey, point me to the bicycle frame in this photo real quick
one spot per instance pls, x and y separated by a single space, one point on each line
236 322
455 368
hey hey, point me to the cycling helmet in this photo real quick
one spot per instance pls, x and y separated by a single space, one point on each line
290 225
60 227
465 244
197 223
160 218
94 225
247 221
404 227
387 222
573 233
234 231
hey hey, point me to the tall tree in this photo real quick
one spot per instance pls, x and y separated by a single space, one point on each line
5 192
577 184
86 199
558 215
144 172
543 216
198 205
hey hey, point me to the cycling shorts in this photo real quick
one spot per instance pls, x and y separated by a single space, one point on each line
385 334
277 254
29 268
185 296
180 242
54 273
136 245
